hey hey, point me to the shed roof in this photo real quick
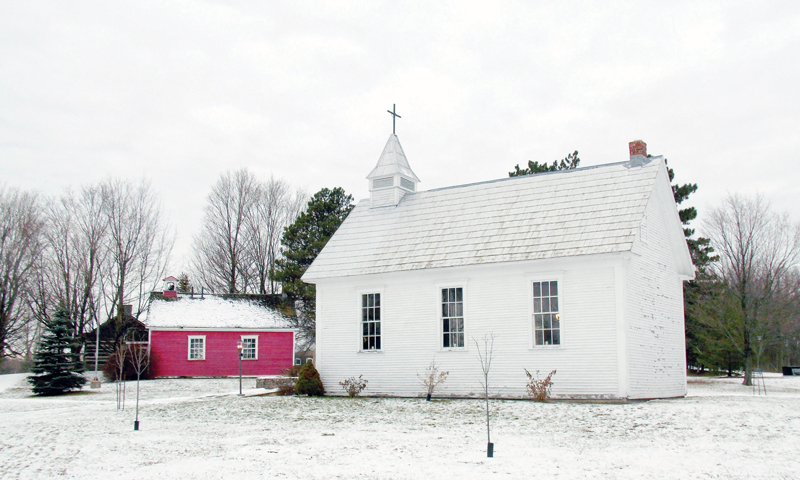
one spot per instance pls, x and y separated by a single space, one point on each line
584 211
211 312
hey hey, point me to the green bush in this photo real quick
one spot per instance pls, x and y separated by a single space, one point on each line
308 381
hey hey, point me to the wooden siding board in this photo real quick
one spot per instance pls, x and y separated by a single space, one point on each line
656 342
169 353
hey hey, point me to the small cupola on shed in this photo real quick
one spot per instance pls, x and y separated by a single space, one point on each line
170 287
392 178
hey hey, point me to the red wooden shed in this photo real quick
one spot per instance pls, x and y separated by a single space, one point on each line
198 337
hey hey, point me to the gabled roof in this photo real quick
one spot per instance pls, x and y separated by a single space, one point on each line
584 211
211 312
393 160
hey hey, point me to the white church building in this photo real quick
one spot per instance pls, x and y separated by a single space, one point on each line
578 271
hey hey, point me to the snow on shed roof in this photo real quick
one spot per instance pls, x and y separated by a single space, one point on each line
211 312
584 211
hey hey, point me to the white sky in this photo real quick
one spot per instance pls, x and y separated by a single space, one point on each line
179 92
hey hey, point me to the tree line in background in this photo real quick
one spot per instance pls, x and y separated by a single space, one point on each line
259 237
742 310
84 253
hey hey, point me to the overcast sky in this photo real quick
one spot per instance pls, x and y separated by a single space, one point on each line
179 92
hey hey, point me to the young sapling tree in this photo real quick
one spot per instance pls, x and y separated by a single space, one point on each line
140 359
432 378
485 356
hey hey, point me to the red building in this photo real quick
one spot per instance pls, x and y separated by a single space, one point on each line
199 337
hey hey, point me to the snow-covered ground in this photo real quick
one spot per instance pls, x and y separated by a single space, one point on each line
199 428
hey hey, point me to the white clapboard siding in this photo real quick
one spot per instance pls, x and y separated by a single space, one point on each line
656 343
496 299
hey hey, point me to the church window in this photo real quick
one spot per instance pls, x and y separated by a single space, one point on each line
371 321
453 317
250 347
546 317
197 347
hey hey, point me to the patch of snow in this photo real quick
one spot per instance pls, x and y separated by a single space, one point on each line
11 380
199 428
211 312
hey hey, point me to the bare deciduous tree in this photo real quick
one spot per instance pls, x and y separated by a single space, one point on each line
139 243
236 249
21 224
758 253
219 250
75 251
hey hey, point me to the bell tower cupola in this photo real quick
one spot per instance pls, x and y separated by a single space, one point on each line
392 178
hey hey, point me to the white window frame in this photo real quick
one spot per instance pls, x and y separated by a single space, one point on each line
255 353
189 347
442 317
559 311
381 322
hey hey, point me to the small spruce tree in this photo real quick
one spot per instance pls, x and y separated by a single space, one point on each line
57 369
308 381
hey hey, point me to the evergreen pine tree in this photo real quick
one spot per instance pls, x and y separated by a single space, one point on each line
57 369
567 163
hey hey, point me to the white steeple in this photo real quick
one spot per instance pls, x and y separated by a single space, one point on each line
392 178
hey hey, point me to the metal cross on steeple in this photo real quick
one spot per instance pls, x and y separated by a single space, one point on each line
394 116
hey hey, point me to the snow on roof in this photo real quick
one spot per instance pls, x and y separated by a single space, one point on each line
211 312
393 160
583 211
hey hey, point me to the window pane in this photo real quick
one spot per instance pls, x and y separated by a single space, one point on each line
370 314
554 288
537 305
366 344
459 295
444 309
460 340
545 304
460 326
370 300
537 291
444 295
547 337
553 304
365 329
371 342
377 313
446 325
378 328
539 337
378 343
538 320
363 300
446 342
556 322
545 289
546 321
556 337
460 309
377 299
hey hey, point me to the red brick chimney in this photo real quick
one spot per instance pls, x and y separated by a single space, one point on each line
638 147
